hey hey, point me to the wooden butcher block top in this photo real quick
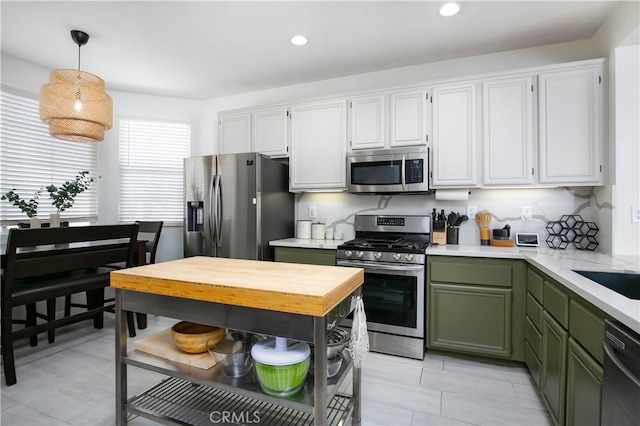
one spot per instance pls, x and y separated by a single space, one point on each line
285 287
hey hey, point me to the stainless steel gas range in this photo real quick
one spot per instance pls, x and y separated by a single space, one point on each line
391 249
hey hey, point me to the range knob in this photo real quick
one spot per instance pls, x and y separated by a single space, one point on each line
396 256
409 257
348 253
377 255
359 254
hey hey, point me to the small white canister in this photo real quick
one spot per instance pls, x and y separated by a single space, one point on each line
318 231
303 229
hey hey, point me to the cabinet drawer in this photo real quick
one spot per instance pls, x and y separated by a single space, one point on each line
533 337
472 271
587 328
534 284
307 256
533 363
556 302
534 311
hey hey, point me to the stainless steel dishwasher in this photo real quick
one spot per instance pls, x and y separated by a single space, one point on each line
621 371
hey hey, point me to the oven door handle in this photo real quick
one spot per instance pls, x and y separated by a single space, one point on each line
381 268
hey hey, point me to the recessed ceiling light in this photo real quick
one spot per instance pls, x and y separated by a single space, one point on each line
450 9
299 40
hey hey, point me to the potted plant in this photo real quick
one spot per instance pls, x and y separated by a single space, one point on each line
64 196
30 207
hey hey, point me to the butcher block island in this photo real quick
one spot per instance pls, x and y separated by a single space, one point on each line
295 301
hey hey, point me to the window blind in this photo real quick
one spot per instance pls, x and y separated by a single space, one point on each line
151 176
31 159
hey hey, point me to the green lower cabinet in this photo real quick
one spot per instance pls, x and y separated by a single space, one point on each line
533 363
584 387
471 319
309 256
553 379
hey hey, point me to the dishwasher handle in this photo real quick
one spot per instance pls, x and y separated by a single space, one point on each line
609 353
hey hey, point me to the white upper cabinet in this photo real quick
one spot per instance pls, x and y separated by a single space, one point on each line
270 134
454 129
234 133
367 122
570 117
507 123
408 118
318 146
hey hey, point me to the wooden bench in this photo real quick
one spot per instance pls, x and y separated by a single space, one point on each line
43 264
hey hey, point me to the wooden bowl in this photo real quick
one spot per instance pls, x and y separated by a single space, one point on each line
195 338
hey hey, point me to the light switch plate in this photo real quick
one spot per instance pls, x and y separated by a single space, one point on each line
635 214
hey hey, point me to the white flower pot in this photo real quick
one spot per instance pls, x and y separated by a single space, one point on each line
54 220
34 222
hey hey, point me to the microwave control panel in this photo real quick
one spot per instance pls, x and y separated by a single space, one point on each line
414 171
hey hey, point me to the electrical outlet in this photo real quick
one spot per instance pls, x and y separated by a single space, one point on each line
471 212
527 213
313 212
635 214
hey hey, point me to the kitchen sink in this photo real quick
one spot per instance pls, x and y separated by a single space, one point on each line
626 284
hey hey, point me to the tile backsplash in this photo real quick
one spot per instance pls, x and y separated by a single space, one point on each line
337 210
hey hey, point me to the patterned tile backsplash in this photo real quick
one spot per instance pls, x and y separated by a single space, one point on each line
337 210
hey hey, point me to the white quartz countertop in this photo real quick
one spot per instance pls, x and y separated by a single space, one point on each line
307 243
559 265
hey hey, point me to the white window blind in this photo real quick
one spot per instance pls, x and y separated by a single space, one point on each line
151 176
31 159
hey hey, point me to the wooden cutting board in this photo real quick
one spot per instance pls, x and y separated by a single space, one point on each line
285 287
161 344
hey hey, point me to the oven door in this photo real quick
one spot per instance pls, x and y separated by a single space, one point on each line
394 297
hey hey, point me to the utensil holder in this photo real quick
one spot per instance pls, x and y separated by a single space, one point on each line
452 235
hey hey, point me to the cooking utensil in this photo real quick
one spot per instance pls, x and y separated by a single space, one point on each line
453 217
461 219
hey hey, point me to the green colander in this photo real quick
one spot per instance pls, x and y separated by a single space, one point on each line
281 365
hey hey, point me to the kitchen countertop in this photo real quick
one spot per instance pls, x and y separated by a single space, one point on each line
558 264
284 287
307 243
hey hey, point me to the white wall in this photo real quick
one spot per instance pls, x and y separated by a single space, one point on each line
626 191
620 29
27 78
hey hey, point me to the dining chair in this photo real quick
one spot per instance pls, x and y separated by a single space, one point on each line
148 231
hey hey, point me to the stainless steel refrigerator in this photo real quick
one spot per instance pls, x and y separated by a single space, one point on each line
235 204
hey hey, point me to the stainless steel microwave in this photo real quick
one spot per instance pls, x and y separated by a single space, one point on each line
394 170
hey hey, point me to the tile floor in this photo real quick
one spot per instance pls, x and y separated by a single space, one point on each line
72 382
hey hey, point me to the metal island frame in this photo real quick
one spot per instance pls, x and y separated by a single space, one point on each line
301 302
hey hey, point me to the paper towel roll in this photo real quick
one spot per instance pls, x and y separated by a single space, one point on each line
303 229
452 194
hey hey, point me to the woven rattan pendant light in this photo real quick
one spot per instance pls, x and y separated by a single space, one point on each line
74 103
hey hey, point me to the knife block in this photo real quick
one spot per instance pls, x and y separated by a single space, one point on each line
439 238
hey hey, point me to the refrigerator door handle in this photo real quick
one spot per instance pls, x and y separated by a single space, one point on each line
218 211
211 200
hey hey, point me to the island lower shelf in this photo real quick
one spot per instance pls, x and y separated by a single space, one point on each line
204 405
247 385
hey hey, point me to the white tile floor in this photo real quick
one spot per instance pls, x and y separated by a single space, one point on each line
72 382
